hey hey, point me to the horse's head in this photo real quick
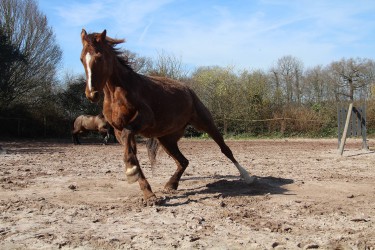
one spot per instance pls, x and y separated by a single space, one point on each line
98 56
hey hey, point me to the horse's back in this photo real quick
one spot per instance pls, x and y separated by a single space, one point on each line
171 98
88 122
169 94
85 122
184 99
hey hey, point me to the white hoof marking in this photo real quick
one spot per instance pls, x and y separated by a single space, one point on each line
244 174
131 171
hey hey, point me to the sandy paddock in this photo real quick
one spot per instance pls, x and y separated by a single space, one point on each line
59 195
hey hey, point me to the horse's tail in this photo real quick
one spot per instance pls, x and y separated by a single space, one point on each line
202 119
152 145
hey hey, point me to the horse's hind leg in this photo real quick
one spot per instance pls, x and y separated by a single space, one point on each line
169 144
75 138
205 123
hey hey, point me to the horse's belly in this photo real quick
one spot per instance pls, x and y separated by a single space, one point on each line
160 129
90 127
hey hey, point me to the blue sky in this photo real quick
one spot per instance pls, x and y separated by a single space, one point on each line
242 33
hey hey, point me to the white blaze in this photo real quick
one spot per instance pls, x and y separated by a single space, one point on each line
88 60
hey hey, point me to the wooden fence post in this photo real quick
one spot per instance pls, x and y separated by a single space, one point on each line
344 134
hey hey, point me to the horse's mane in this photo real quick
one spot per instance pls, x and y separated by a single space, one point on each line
118 53
93 38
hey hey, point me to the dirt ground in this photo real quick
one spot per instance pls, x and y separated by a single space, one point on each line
307 196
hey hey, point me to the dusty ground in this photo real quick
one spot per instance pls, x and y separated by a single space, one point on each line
58 195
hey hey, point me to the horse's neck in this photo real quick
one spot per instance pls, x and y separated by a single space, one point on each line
120 94
123 79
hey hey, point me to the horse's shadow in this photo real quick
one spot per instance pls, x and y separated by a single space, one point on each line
231 186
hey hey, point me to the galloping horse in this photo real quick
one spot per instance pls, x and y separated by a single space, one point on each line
153 107
84 123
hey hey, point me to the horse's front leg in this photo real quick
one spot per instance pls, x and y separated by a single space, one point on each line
133 170
118 134
106 138
105 134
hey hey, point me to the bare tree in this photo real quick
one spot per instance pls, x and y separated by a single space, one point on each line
318 85
28 31
274 78
168 65
288 74
72 98
139 64
9 55
353 77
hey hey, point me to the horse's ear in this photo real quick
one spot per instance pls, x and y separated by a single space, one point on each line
102 36
83 34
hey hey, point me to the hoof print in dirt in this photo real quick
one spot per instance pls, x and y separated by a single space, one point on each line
72 187
153 201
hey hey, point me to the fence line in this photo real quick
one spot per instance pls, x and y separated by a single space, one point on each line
266 120
18 122
16 126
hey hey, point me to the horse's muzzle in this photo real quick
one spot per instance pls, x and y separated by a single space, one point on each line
93 96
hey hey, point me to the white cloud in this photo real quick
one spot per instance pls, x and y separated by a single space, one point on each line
312 32
126 16
80 14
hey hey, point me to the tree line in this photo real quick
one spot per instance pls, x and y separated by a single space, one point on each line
287 99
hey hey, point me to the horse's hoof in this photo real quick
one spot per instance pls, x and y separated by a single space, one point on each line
250 179
171 187
132 178
169 190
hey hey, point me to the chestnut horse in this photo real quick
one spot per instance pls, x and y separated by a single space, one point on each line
84 123
153 107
